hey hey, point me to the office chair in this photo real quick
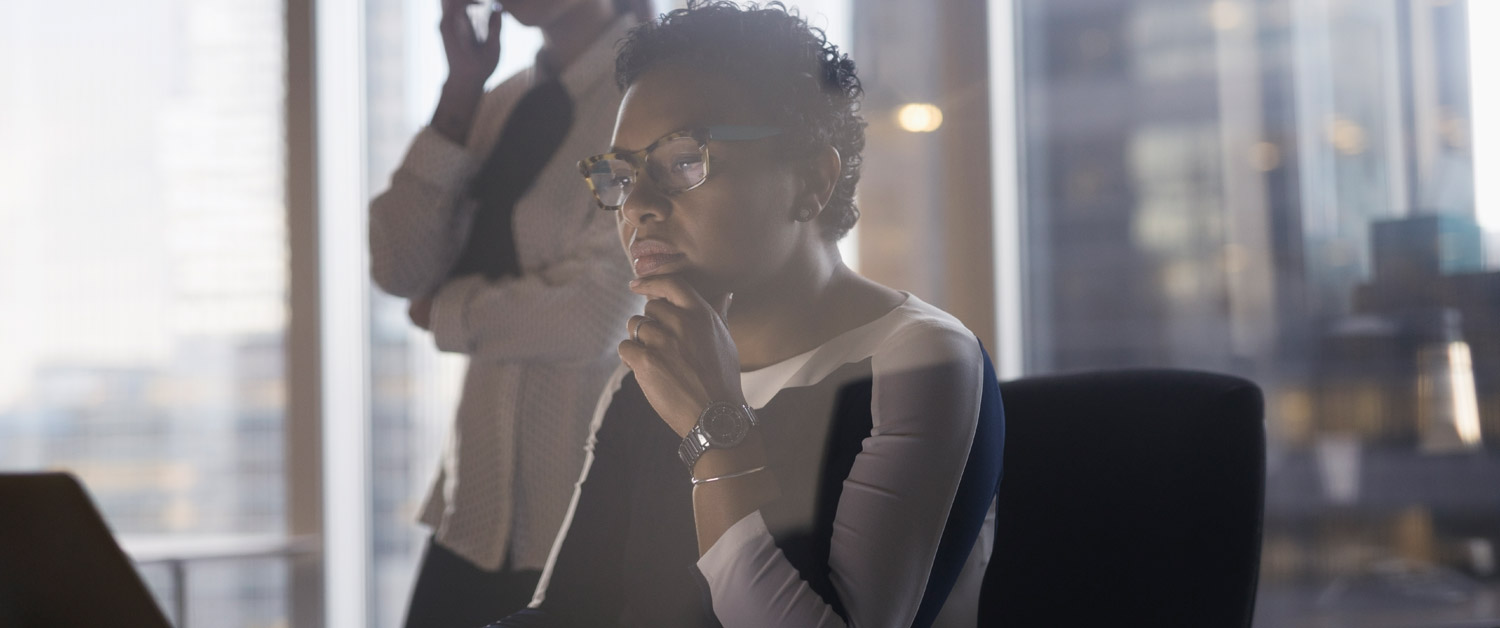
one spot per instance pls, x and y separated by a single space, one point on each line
1129 498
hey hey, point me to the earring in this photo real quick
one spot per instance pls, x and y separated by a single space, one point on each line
805 214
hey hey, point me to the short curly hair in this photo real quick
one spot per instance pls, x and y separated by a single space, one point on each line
801 79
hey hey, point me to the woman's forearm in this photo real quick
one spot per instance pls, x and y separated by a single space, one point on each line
456 109
719 504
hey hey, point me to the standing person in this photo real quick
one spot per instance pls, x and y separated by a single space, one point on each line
788 443
505 259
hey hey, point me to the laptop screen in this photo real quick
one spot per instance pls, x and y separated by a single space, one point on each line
59 564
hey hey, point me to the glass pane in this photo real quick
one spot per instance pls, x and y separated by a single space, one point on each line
836 18
1284 190
143 273
414 388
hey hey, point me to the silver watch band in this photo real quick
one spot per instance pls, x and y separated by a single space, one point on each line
692 447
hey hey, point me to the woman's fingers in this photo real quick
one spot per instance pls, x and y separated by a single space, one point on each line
680 351
638 359
659 372
631 353
647 330
669 316
491 47
458 36
458 33
673 289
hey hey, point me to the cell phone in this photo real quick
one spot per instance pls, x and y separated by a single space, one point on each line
479 17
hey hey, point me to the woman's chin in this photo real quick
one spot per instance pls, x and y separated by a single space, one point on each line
704 283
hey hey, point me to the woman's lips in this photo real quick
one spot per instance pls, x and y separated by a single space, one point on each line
650 263
648 255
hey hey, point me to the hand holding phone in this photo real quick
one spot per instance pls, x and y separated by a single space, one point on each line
472 58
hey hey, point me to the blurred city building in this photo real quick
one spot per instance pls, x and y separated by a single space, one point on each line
142 273
1283 189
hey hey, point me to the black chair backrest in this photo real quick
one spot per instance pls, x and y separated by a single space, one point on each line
1129 498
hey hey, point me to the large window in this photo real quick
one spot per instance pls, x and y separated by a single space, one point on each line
143 273
1301 192
1284 189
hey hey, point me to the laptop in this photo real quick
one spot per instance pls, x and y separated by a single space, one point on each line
59 564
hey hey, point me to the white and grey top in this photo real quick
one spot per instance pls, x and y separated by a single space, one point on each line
886 444
540 344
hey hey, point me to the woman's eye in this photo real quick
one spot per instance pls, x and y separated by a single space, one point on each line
685 164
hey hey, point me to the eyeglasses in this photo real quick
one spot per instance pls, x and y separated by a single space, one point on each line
677 162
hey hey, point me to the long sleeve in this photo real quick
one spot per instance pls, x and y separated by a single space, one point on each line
895 530
574 309
418 224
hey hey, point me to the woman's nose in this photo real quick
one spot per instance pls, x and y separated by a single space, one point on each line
646 203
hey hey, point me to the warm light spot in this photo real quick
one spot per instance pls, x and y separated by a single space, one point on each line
1347 136
1447 406
1265 156
1226 14
920 117
1465 401
1295 415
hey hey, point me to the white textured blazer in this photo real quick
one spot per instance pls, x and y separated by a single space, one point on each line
540 345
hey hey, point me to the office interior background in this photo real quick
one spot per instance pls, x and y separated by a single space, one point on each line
1302 192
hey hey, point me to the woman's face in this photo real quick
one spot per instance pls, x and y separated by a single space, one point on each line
734 230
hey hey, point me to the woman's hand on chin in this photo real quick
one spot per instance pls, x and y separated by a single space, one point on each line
680 351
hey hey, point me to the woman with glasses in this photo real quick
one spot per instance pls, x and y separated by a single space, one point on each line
787 443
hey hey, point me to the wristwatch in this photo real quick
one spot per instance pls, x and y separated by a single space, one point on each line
722 425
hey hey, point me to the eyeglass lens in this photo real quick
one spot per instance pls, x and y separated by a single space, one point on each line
675 165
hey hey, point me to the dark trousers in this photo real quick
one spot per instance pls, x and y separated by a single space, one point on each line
452 592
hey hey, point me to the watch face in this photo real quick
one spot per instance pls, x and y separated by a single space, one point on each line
725 425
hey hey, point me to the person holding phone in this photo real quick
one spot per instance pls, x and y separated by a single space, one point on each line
787 443
503 258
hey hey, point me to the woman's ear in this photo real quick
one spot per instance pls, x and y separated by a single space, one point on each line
820 174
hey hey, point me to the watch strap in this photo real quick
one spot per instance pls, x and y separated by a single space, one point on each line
692 447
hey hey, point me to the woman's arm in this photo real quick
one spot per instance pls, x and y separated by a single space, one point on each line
719 504
418 225
898 524
681 352
892 519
